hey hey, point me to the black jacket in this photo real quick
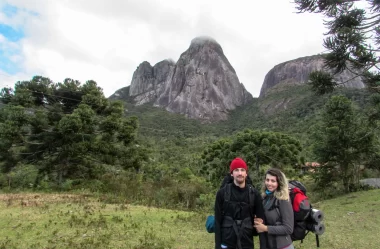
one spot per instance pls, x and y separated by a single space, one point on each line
237 208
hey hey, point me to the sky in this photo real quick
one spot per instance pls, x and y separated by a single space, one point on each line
106 40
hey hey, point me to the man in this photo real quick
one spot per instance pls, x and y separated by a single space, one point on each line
236 205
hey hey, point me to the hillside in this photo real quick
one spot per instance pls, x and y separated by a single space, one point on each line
288 109
167 132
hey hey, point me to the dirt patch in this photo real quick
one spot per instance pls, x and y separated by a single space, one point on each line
33 199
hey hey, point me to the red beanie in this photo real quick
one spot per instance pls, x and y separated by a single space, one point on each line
238 163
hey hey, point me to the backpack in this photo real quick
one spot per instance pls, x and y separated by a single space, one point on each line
228 179
301 209
306 218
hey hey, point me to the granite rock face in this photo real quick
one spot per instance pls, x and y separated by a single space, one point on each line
201 85
297 72
147 81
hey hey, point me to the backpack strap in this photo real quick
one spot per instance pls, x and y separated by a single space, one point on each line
238 232
276 205
227 196
227 192
251 194
237 225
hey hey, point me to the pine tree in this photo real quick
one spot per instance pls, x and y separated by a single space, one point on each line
343 143
255 147
67 130
353 41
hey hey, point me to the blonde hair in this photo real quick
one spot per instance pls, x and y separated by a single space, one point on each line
282 191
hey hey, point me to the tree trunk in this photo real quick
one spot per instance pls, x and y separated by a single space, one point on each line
346 183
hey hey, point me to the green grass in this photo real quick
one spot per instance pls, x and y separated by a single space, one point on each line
80 221
75 221
352 221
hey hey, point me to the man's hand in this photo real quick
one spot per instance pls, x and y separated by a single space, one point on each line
258 220
260 227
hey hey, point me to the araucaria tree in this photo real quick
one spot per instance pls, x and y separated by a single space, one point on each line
353 41
343 143
255 147
66 130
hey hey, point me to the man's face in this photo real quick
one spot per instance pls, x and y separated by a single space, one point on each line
239 175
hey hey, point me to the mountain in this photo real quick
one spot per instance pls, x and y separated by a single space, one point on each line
296 72
201 85
277 92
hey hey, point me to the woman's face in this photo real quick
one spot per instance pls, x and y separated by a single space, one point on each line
271 182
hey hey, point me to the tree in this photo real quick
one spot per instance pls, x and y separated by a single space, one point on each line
353 41
68 130
255 147
343 143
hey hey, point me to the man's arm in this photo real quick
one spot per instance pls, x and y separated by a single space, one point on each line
260 213
218 219
258 208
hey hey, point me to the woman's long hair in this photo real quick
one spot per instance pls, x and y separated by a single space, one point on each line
282 191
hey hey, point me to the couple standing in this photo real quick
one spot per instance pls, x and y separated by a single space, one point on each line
241 212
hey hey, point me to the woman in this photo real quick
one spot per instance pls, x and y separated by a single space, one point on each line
278 211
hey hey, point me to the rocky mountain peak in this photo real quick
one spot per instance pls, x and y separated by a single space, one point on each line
296 72
201 85
199 43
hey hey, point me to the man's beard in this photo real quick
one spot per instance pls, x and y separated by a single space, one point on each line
240 179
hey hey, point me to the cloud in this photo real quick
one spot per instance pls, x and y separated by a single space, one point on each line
106 40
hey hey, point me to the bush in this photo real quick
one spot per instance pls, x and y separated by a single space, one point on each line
21 177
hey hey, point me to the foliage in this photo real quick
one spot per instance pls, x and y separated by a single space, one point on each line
71 131
352 41
343 142
162 165
255 147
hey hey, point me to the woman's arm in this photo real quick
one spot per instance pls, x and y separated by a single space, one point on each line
287 220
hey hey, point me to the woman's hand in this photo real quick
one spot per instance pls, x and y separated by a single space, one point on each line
260 227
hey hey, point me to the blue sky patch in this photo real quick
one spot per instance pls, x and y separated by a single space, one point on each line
9 10
6 51
6 64
10 33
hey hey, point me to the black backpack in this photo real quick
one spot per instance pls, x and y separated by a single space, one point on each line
226 183
227 197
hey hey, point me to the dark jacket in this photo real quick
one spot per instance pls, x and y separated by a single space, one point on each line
237 208
280 221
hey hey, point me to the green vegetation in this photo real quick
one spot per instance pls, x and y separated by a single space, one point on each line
81 221
345 142
255 147
67 136
84 221
71 131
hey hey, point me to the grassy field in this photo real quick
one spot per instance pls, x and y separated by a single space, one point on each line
80 221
